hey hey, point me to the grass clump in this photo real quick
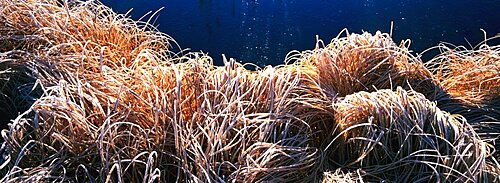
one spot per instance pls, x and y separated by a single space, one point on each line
366 62
401 136
472 80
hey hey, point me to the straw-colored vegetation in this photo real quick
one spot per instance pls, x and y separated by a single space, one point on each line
404 137
366 62
471 79
95 96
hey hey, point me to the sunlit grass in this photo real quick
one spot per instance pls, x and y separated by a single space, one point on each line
116 104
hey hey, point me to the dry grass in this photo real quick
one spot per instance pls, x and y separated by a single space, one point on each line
472 80
117 105
248 128
366 62
88 60
231 128
17 85
124 107
404 137
340 176
471 76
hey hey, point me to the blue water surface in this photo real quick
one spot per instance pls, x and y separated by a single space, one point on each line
264 31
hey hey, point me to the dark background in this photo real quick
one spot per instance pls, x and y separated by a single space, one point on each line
264 31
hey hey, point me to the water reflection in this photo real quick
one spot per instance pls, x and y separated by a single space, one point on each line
265 31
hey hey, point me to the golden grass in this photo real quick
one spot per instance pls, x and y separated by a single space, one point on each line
366 62
232 128
469 75
117 105
471 78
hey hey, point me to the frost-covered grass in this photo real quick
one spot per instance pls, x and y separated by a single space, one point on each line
101 97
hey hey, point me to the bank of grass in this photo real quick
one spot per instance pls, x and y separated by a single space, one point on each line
118 105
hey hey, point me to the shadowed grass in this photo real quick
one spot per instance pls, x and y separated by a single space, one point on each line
402 136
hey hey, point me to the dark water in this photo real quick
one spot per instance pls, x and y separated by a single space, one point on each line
264 31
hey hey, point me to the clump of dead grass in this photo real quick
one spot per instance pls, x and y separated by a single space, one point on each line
401 136
366 62
87 58
472 80
471 76
248 128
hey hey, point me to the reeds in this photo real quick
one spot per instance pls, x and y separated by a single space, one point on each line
116 104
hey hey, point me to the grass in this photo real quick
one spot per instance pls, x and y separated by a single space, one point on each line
366 62
470 77
116 104
401 136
